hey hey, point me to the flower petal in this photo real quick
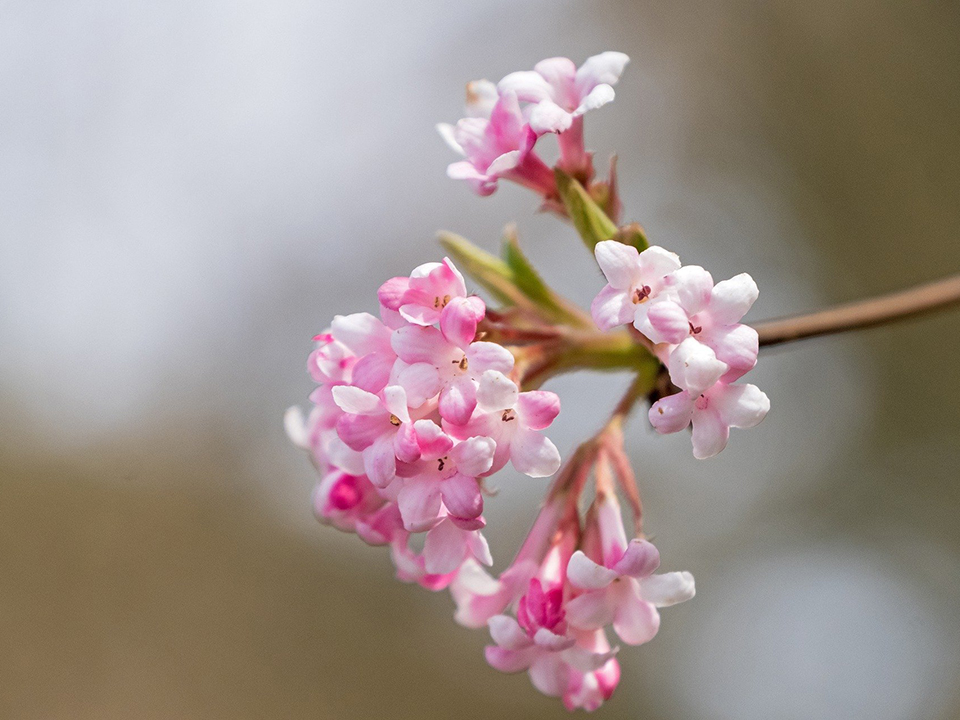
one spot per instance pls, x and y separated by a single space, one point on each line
590 611
444 549
635 620
356 401
496 391
433 442
537 409
458 400
421 381
656 263
668 588
640 559
710 435
605 68
459 319
533 453
483 356
415 344
474 456
672 413
693 285
461 495
742 406
380 462
694 367
584 573
669 322
619 263
731 299
612 307
507 633
419 502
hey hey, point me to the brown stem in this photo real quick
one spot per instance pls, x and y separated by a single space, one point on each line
862 314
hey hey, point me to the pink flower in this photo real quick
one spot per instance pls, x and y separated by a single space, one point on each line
378 426
709 314
356 350
343 500
497 145
712 413
561 94
634 280
514 420
449 477
447 364
432 291
621 589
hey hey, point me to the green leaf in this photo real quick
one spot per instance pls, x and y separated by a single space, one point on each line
590 221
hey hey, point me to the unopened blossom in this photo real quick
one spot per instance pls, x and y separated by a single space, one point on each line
448 481
448 364
515 421
496 145
344 500
618 586
712 414
634 280
709 314
561 94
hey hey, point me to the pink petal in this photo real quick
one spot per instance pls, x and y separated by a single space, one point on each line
478 546
508 661
415 344
612 307
737 346
356 401
474 456
549 674
443 549
731 299
668 588
537 409
459 319
360 431
619 263
496 391
419 502
710 435
507 633
380 462
672 413
391 292
694 367
590 610
458 400
483 356
584 573
395 402
372 372
421 381
419 313
361 332
669 322
405 444
640 559
461 495
534 454
635 620
432 441
551 641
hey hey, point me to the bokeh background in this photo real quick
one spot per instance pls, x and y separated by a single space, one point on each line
190 190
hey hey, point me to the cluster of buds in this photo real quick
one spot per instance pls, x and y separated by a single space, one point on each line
695 327
414 409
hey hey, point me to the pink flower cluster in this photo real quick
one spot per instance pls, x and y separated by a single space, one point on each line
561 607
411 413
696 330
504 122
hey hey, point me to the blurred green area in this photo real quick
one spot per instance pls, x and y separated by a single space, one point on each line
147 576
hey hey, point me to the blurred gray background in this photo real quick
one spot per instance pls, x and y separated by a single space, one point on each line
190 190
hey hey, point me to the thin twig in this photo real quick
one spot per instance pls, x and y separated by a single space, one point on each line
862 314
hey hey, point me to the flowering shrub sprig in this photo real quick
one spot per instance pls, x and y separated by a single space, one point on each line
416 407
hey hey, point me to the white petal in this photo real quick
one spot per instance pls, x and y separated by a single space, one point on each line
741 406
355 401
446 131
533 453
528 85
590 610
607 67
693 286
497 391
656 263
548 117
598 97
694 367
584 573
731 299
620 263
672 413
612 307
295 426
668 588
474 456
506 632
710 435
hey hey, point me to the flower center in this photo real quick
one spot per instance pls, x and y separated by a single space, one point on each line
441 302
695 329
394 420
641 294
701 402
508 415
463 363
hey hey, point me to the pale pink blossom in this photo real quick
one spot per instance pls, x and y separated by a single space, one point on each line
712 414
438 362
634 281
497 145
710 314
514 420
434 293
445 482
561 94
